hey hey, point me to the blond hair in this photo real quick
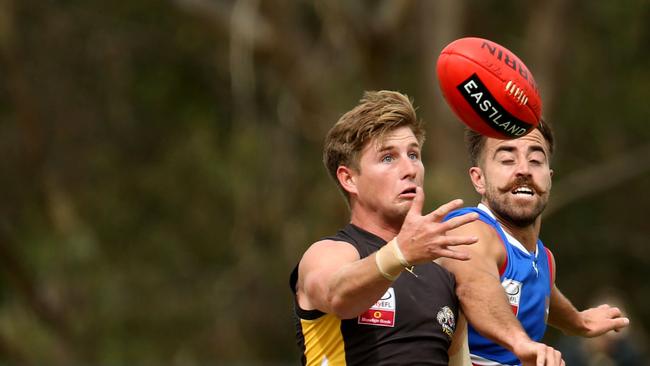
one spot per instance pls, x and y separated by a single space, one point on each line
377 113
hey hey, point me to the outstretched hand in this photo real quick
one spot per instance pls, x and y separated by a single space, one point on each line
602 319
424 238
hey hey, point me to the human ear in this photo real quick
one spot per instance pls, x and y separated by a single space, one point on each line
478 179
347 179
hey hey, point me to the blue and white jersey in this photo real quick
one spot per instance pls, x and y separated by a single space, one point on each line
526 279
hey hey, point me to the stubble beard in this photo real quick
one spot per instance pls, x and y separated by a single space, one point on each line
518 215
397 216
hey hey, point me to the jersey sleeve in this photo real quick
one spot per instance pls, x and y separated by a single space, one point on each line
482 215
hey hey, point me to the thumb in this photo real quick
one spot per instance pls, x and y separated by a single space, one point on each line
418 202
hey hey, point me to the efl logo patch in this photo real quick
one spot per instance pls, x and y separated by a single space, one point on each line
513 291
382 313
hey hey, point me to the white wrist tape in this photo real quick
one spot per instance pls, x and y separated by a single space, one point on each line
398 253
388 262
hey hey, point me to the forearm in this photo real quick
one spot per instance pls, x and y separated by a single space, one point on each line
333 279
355 288
563 315
486 307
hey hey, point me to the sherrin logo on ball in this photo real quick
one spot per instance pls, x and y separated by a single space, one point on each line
489 88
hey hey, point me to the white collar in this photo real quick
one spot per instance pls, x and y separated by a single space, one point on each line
509 237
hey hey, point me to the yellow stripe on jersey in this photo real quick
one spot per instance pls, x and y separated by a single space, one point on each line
323 341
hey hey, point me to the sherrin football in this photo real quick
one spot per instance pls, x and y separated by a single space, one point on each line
489 88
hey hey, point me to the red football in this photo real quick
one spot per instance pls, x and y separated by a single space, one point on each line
489 88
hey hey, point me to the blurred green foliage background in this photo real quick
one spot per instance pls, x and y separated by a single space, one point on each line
160 169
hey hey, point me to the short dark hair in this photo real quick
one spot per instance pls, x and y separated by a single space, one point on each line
475 141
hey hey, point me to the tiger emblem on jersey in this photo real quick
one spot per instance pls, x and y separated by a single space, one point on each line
447 321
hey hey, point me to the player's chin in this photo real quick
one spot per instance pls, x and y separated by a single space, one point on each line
526 215
405 201
403 206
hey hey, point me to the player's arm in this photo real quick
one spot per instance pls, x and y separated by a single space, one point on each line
587 323
479 289
459 349
484 302
333 279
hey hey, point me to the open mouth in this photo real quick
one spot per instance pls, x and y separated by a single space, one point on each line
409 191
523 191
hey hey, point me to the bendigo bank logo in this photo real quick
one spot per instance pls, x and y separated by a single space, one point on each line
382 313
513 292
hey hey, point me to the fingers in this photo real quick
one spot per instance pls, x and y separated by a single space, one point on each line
541 356
618 320
460 255
444 244
459 221
620 323
547 356
454 240
550 357
606 318
443 210
557 357
613 312
418 202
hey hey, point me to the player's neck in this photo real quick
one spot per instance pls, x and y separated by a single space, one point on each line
527 235
375 224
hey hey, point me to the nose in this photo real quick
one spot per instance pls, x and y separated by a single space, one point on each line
523 168
409 168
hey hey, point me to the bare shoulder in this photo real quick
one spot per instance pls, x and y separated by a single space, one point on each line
488 238
327 249
327 255
489 247
317 266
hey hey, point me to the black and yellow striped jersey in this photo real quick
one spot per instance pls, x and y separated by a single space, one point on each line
412 324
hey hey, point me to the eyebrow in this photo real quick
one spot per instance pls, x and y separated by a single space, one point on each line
391 147
507 148
503 148
537 148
